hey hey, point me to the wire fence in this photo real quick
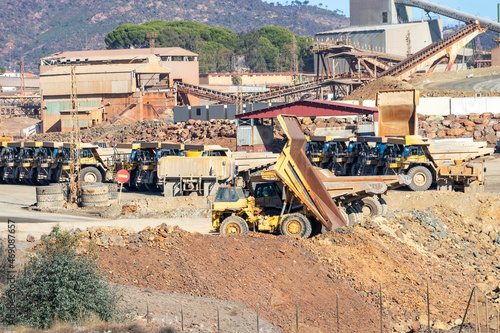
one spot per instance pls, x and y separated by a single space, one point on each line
479 314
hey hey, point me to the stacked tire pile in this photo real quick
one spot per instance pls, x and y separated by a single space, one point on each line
52 196
113 193
95 195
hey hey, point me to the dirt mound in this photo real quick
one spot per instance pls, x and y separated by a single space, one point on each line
370 90
14 126
256 269
436 238
427 84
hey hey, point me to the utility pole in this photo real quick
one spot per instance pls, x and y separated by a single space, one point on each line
74 179
295 60
23 83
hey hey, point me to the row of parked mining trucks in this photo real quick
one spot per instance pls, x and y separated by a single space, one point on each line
175 169
447 164
450 164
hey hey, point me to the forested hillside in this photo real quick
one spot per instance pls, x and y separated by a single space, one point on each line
269 49
35 28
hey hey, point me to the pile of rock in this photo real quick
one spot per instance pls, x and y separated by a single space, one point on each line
150 130
480 127
153 237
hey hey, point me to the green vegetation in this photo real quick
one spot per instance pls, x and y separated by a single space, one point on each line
268 49
2 70
58 284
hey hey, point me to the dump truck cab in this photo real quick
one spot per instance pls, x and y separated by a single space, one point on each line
7 155
233 213
143 160
11 162
28 159
326 151
45 160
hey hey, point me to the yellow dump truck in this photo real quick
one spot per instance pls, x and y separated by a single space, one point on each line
312 198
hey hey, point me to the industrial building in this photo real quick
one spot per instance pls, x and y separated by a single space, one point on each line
384 27
113 85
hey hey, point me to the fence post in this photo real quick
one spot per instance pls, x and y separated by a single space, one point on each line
258 328
487 317
476 312
381 323
297 316
147 311
182 318
338 319
466 309
428 310
218 321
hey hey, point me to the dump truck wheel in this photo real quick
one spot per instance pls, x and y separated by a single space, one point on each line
353 216
233 225
383 203
359 208
371 207
345 216
296 225
91 175
355 169
421 178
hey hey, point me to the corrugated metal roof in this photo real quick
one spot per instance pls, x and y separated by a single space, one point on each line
309 108
160 51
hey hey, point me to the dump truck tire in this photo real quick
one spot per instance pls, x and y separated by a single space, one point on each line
233 225
383 203
52 189
95 189
296 225
91 175
421 178
50 197
352 216
371 207
345 216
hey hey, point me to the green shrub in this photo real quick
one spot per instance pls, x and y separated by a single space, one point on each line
59 285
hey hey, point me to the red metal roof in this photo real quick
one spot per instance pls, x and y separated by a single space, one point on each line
309 108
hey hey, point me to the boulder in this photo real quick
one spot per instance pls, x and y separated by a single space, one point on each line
306 121
455 131
441 133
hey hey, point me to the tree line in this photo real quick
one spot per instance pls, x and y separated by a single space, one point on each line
221 50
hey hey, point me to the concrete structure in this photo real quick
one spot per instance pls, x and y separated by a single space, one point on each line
443 106
11 82
390 39
251 79
113 85
377 12
495 56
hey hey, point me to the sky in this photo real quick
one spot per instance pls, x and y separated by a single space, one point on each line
482 8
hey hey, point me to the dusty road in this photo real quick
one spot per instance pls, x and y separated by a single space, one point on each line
483 83
14 199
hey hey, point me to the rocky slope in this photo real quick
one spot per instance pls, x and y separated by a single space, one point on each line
35 28
429 237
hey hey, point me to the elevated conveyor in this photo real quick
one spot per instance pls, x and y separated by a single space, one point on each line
442 50
450 12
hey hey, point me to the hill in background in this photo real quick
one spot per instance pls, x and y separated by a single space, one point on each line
35 28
